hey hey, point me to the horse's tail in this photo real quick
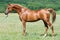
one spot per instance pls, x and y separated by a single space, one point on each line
53 14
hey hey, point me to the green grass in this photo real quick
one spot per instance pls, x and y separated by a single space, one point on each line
57 12
11 29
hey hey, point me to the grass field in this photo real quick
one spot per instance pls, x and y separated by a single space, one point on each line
11 29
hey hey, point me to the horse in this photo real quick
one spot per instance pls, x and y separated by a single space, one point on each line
28 15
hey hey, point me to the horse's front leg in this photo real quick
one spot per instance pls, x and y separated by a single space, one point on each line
24 27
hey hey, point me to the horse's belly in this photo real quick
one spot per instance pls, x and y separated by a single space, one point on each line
32 18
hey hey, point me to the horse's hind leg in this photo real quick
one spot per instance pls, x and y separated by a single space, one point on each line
51 26
46 26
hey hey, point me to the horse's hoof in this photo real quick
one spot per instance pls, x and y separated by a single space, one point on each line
24 33
53 37
44 35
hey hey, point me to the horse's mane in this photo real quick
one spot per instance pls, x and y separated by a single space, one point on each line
21 6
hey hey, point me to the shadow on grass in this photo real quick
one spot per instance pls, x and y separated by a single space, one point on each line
50 35
37 34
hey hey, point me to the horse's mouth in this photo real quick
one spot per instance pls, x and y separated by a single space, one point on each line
6 13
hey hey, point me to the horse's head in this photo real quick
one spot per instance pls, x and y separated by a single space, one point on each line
16 7
9 9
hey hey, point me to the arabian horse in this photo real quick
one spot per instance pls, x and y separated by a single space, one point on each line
27 15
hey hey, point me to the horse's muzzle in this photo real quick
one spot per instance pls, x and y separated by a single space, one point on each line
6 13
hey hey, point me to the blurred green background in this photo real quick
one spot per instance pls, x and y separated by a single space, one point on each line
32 4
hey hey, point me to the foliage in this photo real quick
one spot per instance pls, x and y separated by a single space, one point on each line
32 4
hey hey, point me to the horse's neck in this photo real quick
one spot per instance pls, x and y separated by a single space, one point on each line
20 10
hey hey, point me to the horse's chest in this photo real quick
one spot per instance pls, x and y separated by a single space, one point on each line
23 17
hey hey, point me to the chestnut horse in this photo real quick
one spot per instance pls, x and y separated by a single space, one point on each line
27 15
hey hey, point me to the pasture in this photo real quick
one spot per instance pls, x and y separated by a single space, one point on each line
11 29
